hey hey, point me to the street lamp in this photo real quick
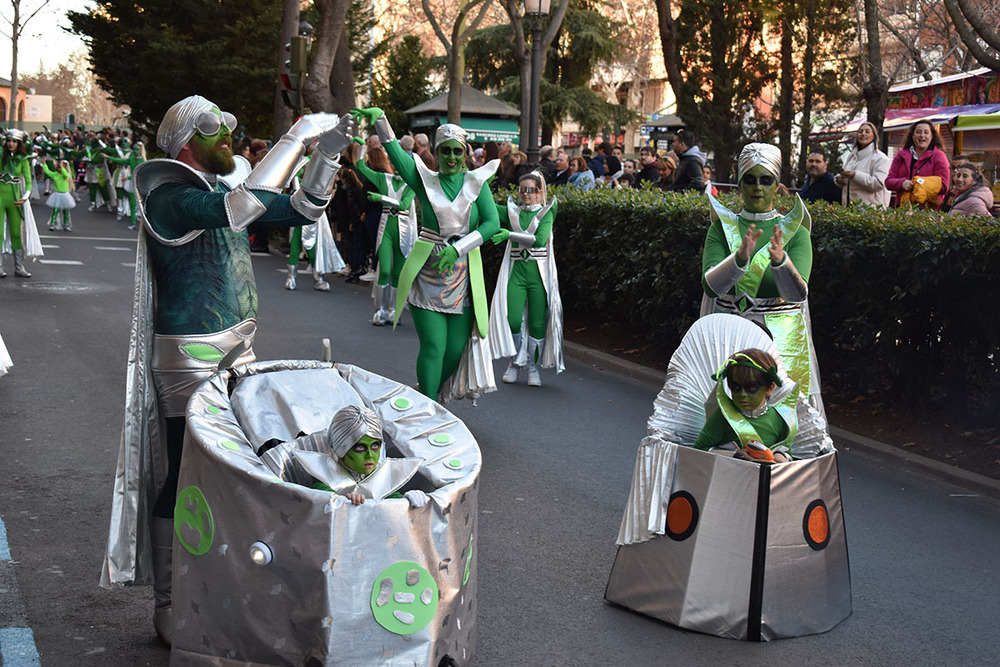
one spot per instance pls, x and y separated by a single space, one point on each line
536 9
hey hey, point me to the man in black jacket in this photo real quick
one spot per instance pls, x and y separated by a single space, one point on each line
649 173
690 162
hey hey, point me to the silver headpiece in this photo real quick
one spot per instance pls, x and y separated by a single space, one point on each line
347 427
765 155
452 131
177 127
14 133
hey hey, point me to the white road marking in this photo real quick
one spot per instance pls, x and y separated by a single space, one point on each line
63 262
109 247
113 239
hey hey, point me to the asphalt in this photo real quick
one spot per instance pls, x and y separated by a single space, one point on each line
843 438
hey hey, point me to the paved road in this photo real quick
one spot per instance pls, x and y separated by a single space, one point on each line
556 472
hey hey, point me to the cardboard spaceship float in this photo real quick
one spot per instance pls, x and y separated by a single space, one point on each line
724 546
268 572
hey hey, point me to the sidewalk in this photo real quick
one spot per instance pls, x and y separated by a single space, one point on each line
844 439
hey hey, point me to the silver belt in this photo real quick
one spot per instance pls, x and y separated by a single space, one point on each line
529 254
744 303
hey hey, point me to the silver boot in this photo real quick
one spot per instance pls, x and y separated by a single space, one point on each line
290 282
510 375
535 347
19 269
162 534
3 274
386 302
319 282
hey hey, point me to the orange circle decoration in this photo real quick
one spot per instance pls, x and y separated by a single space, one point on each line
816 525
682 516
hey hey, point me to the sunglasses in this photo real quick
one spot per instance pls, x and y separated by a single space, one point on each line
749 388
765 180
457 151
529 191
361 448
208 124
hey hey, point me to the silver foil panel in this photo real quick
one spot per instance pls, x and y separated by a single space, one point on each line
728 565
379 583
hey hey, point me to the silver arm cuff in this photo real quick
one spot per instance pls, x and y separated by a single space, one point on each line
523 238
390 202
467 243
304 207
384 130
790 285
242 208
724 275
274 170
318 177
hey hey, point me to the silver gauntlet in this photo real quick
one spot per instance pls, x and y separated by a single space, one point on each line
274 170
242 207
390 202
791 287
723 276
468 243
384 130
317 182
523 238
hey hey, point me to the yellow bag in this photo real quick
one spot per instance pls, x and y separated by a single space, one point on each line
924 193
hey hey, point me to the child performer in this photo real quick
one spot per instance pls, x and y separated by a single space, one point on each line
762 432
60 201
346 458
528 277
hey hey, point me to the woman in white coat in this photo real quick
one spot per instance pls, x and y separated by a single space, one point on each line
863 177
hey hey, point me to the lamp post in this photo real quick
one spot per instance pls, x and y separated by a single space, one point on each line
535 9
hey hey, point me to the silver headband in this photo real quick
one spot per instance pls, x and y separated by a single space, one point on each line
347 427
765 155
177 127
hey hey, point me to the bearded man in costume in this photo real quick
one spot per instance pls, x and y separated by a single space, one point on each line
442 278
756 264
194 209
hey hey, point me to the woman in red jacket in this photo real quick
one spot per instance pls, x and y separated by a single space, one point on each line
921 155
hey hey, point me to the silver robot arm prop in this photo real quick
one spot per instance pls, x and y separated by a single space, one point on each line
317 181
273 171
723 276
791 287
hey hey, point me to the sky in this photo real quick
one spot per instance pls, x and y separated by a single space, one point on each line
43 39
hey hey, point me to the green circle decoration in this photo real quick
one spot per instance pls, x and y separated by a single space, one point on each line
441 439
402 403
404 598
230 445
192 515
454 464
213 410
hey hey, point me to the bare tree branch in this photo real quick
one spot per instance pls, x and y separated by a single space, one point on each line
910 45
984 58
987 34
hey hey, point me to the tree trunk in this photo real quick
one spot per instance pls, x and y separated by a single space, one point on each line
456 68
876 89
289 27
786 106
807 75
15 31
331 31
342 80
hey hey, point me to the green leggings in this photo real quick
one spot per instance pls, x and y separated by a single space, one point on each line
13 216
296 250
442 340
525 285
55 216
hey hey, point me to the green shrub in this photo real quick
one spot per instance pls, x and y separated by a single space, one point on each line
901 300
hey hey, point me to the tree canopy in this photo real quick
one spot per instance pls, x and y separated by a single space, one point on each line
152 55
404 83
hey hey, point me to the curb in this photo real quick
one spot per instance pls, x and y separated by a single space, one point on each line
981 484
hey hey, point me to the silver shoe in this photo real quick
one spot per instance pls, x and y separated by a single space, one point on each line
290 282
19 269
510 375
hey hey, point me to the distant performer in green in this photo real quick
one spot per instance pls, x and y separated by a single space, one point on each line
17 225
193 247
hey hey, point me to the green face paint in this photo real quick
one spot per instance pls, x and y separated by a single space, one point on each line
758 197
750 396
450 156
363 457
215 152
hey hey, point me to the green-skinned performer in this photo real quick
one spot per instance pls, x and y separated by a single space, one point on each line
397 230
527 291
442 279
762 431
196 304
17 226
60 201
128 157
347 458
757 263
97 177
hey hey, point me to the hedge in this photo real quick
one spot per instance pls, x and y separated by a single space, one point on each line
901 300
